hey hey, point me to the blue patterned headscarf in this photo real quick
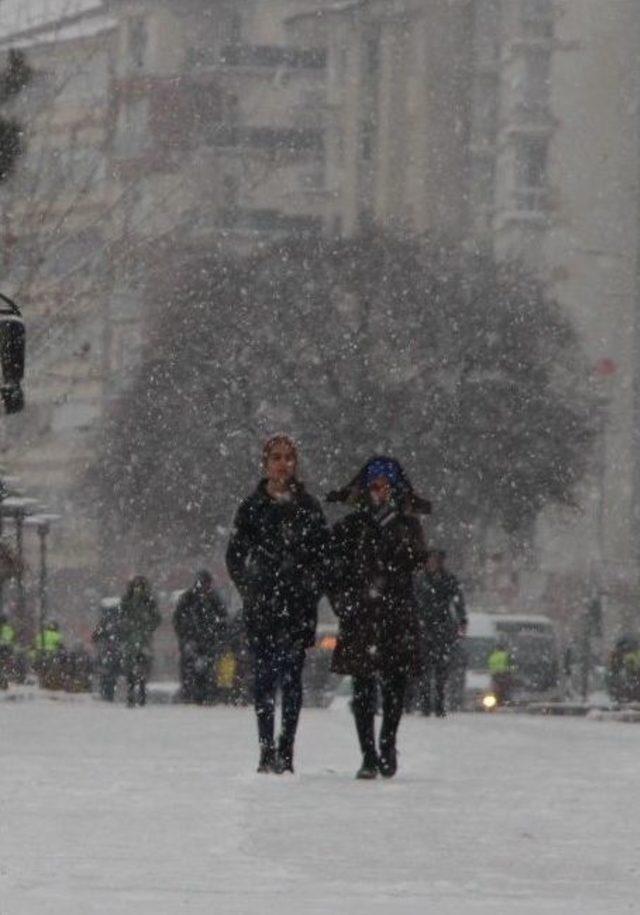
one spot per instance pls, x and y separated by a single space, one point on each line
382 467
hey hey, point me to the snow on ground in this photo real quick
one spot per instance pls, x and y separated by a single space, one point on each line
159 810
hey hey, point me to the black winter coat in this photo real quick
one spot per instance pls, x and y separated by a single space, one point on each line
200 621
372 593
441 610
277 559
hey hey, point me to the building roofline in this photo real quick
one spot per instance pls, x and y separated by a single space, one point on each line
52 26
342 6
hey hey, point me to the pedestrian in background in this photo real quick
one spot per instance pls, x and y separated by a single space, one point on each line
7 649
107 639
375 551
277 560
443 623
200 622
139 619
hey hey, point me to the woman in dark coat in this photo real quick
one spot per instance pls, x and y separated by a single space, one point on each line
277 560
374 552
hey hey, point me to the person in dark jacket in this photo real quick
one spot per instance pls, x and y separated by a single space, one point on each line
374 553
200 624
106 638
276 557
443 622
7 650
138 620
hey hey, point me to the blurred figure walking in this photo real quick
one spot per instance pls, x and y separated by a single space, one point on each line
139 618
200 623
107 639
277 560
7 648
443 623
375 551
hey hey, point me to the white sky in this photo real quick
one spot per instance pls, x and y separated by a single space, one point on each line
19 15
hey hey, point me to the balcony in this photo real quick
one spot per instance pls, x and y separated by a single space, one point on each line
531 200
271 139
273 56
269 221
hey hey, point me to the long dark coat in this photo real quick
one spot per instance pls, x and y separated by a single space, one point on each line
372 593
200 621
277 559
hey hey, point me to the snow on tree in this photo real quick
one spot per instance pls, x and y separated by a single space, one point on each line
458 365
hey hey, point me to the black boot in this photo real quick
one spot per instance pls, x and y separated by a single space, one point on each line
267 759
369 768
284 758
388 761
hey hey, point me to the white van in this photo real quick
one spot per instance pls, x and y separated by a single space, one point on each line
532 643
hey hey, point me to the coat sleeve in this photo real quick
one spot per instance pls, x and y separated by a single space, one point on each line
238 549
317 549
342 571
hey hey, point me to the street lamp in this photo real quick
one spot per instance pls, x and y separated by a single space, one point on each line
9 486
42 525
18 508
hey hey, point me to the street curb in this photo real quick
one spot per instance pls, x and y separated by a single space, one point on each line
625 715
156 695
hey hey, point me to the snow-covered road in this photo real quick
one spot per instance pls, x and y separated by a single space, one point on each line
110 810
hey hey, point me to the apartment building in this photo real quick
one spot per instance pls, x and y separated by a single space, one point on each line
154 128
509 123
513 124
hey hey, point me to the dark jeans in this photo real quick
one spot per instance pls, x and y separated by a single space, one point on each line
365 700
436 669
278 665
137 668
197 673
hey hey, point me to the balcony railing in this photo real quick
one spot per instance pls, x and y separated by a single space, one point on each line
274 139
267 220
273 56
532 199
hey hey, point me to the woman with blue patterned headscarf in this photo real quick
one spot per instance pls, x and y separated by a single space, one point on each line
375 550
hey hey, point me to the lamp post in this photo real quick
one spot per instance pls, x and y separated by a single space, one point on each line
9 486
42 525
18 508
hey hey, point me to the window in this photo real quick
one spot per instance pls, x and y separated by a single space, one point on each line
132 134
533 101
536 17
372 56
367 139
138 40
531 173
234 29
313 177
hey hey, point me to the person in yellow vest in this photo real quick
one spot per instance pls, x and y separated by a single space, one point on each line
7 649
501 669
50 639
47 655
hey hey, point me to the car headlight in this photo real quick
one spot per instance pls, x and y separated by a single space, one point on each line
489 701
